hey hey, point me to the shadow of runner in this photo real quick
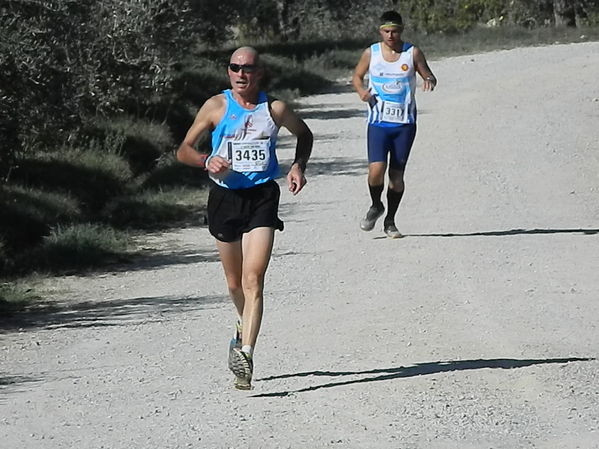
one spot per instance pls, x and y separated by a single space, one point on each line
420 369
587 231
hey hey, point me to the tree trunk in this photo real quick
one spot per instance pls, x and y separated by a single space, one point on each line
564 12
289 26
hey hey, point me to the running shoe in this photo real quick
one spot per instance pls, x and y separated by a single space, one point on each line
392 231
373 214
235 343
243 367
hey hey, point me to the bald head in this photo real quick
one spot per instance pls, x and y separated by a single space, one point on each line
246 52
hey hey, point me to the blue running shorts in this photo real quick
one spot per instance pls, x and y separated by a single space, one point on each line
395 141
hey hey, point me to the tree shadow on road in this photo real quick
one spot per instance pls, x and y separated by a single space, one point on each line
9 384
286 143
332 114
108 313
333 167
13 380
419 369
158 258
587 231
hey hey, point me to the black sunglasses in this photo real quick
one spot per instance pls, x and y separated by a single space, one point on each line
247 68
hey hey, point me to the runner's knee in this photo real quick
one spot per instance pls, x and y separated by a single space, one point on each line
376 173
397 185
235 288
396 181
234 282
253 282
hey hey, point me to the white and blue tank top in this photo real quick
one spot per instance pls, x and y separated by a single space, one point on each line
247 138
393 85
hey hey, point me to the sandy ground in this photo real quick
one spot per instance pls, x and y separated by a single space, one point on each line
476 330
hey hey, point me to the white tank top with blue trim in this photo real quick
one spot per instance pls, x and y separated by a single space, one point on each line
247 138
394 86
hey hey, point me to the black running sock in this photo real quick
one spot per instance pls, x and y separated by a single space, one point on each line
375 195
393 200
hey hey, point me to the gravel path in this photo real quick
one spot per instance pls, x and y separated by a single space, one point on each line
476 330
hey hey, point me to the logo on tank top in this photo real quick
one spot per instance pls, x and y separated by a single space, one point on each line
243 131
405 67
248 125
393 87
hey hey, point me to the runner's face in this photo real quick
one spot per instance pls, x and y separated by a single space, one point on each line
244 81
391 35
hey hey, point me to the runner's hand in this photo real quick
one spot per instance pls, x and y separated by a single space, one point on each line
366 95
217 164
429 84
296 179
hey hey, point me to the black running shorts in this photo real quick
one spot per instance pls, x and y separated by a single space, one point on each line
233 212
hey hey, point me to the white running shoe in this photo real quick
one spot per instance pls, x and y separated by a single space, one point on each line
392 231
242 366
373 214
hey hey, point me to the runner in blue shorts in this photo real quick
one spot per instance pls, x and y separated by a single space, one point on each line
391 66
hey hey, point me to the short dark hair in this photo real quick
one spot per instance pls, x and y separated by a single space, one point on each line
391 16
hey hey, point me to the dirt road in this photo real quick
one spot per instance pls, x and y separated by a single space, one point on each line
476 330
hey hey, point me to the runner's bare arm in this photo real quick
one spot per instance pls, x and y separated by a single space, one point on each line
206 119
359 74
422 67
284 116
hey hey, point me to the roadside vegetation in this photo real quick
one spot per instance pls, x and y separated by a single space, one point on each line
96 95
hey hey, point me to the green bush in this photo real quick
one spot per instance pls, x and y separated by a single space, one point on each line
15 297
155 209
28 213
91 177
170 173
287 73
192 83
78 246
589 16
140 142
